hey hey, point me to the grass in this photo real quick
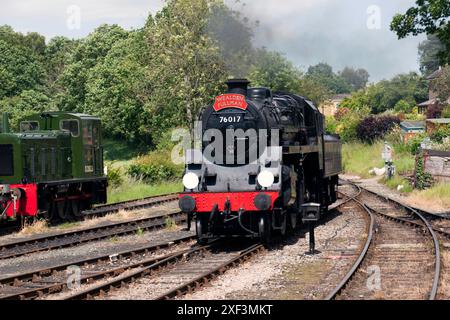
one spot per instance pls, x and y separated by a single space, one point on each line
38 226
397 181
68 225
170 223
436 197
135 189
119 150
139 232
358 158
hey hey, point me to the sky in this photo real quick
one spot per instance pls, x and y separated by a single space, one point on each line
340 32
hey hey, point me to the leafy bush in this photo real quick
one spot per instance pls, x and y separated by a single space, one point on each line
440 134
373 128
403 106
341 113
330 125
446 112
424 180
155 167
115 178
347 122
395 138
434 111
442 146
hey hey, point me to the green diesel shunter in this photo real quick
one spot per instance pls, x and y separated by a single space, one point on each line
53 166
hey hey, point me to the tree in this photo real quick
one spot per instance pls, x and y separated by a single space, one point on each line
442 85
184 66
323 73
58 56
20 69
274 71
32 41
386 94
428 54
357 78
113 91
26 103
313 90
430 17
90 51
403 106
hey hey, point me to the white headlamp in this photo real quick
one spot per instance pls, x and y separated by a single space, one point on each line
190 180
266 179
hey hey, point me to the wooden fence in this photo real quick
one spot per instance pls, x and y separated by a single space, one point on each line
437 163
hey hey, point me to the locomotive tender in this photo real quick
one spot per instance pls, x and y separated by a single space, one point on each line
53 166
294 175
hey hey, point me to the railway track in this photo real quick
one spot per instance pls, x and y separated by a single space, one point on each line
72 238
174 274
103 210
54 279
106 209
401 259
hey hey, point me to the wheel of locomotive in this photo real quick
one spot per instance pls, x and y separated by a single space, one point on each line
199 227
48 212
283 230
75 207
265 229
284 225
61 209
292 219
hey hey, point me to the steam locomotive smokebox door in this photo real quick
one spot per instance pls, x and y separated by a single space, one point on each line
311 212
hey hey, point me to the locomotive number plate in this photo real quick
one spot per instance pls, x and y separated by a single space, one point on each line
230 119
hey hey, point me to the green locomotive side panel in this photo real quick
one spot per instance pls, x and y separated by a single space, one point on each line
86 143
47 156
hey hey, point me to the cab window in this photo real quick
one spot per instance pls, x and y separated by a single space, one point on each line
88 134
29 126
70 125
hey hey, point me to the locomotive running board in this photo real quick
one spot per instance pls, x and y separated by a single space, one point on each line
301 149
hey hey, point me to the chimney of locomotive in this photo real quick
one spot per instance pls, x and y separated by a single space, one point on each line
238 86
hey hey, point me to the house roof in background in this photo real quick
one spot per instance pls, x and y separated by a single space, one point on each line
341 96
439 121
427 103
410 125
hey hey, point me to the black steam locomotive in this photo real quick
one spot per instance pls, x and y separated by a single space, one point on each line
264 165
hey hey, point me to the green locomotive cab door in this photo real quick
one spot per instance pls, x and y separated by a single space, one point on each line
92 148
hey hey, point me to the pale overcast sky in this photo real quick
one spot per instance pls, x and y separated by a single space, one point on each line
340 32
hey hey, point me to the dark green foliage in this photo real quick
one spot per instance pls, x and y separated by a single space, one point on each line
20 69
115 178
155 167
430 17
28 102
440 134
323 73
428 54
423 179
373 128
356 78
274 71
386 94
